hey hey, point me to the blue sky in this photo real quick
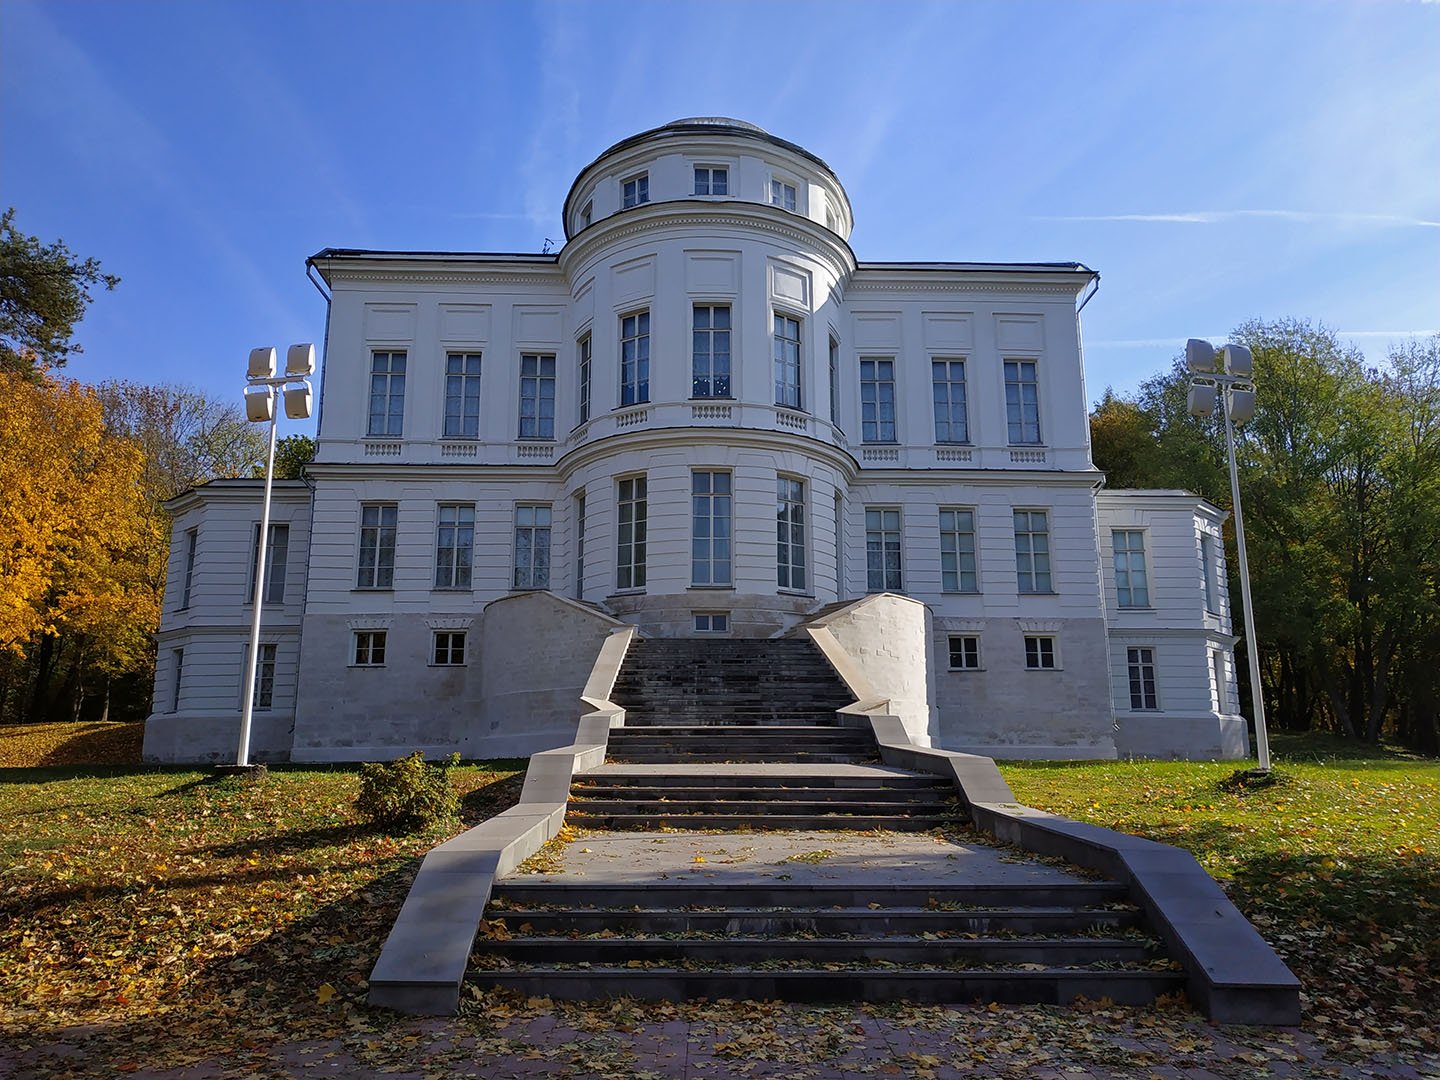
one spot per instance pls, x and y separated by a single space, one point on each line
1214 161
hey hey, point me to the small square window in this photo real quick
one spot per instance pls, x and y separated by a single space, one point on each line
964 652
369 648
712 622
783 195
635 190
1040 653
449 648
712 180
587 214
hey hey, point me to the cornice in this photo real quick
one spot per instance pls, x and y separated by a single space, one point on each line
969 285
552 277
745 438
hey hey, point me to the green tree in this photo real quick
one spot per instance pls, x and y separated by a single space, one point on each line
44 290
1122 443
292 454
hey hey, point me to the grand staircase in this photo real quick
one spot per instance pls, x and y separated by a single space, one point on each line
735 736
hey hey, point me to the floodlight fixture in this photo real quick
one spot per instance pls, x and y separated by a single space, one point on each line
259 404
1241 405
1237 360
300 362
262 364
1200 356
297 401
1201 399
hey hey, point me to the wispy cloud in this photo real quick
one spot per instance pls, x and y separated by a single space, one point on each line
1215 217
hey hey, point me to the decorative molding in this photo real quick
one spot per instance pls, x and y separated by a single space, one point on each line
879 453
459 449
945 453
1040 626
632 417
711 412
1027 457
371 622
543 451
382 449
794 421
450 622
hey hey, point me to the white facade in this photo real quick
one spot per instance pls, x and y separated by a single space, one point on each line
703 415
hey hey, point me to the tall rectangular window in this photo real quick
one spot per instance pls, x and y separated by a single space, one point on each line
1207 568
1032 551
1222 691
532 547
839 547
179 657
882 550
710 351
710 518
192 539
537 396
369 648
454 545
462 395
1022 401
1131 588
277 552
834 381
635 358
712 180
630 538
947 379
377 546
584 378
580 545
387 393
783 195
790 533
877 400
265 677
787 361
635 190
957 551
1141 662
587 213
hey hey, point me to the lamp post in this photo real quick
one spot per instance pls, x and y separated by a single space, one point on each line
261 386
1224 378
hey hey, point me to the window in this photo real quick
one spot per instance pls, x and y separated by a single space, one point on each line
1222 691
882 550
1039 653
537 396
957 551
630 540
369 648
449 648
710 528
877 400
711 622
712 180
377 546
1141 662
1032 551
192 538
387 393
782 194
462 396
834 381
948 380
179 655
1130 585
1022 401
1207 568
454 546
584 378
790 533
532 547
839 547
635 358
587 213
964 652
635 191
710 351
787 361
265 677
276 553
580 545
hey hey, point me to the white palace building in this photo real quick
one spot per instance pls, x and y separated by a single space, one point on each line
703 416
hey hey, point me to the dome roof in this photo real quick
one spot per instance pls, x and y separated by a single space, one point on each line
716 121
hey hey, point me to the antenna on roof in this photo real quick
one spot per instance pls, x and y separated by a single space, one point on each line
548 245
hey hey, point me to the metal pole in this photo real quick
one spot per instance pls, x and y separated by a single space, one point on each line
1252 643
247 707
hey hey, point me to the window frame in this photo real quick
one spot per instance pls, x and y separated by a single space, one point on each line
1033 573
1137 663
533 405
192 541
873 404
883 532
696 616
957 534
712 335
833 359
393 414
375 644
950 404
530 575
783 365
969 656
463 378
275 572
579 508
1210 577
377 563
584 347
264 696
449 648
1015 418
712 501
792 562
637 387
1047 647
457 568
177 655
1125 595
785 193
641 180
710 171
630 553
587 214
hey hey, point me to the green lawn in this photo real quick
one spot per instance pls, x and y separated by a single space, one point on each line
1338 865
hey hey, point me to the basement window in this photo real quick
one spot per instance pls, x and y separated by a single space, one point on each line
1040 653
964 652
711 622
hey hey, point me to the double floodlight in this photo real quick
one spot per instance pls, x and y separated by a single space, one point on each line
262 383
1226 370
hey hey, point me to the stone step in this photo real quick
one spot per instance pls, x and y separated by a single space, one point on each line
750 781
688 804
735 756
832 921
759 820
617 951
704 895
690 794
1060 986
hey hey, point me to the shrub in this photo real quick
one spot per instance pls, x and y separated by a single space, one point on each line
407 793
